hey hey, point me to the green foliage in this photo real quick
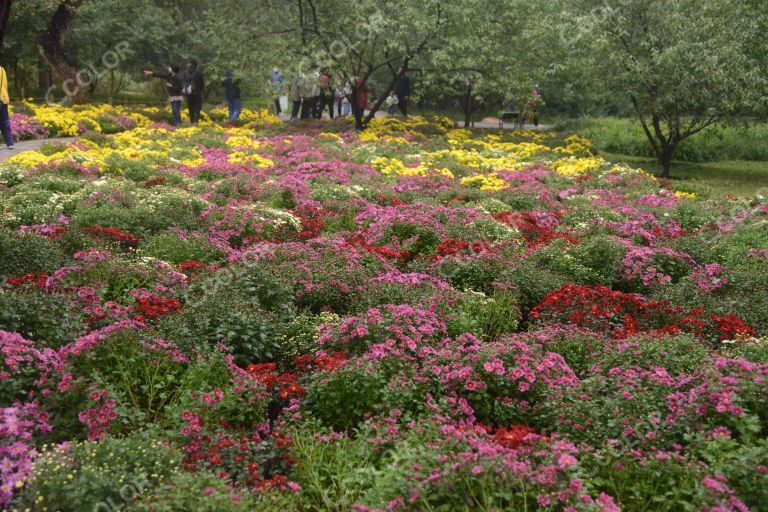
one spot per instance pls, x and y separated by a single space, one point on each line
595 261
666 484
745 467
94 475
488 318
343 398
46 317
477 274
417 240
533 281
23 253
677 86
170 247
247 309
143 381
717 143
201 491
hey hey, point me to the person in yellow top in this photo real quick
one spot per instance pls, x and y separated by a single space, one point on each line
5 118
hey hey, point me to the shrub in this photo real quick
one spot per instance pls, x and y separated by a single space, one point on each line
141 376
50 318
201 491
667 482
23 253
621 315
99 475
344 397
245 307
174 249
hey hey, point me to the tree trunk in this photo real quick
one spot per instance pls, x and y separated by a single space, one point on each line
5 14
665 159
51 47
466 103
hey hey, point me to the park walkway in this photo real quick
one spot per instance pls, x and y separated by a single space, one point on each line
31 145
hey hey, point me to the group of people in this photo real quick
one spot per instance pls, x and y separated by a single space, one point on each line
189 85
309 94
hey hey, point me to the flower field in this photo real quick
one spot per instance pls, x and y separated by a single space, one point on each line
415 317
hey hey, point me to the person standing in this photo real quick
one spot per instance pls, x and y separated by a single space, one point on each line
391 103
403 92
232 95
326 94
278 85
310 93
534 105
194 83
362 96
5 116
294 95
174 85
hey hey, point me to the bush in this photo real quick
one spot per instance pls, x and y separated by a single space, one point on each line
488 318
199 492
142 376
244 307
24 253
532 280
45 317
170 247
342 398
99 475
665 483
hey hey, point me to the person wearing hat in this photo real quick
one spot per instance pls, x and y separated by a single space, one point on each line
5 117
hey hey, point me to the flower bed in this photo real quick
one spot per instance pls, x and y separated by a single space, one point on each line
412 318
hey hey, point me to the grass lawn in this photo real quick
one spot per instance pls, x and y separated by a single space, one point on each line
738 178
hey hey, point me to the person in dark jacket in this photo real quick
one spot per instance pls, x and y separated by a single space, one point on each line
174 86
194 84
403 92
327 95
232 95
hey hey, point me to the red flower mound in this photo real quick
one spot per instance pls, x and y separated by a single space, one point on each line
28 280
452 246
512 436
112 234
622 315
152 306
534 234
358 240
285 384
191 265
155 182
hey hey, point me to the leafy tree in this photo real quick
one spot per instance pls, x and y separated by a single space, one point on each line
495 55
684 64
367 40
115 48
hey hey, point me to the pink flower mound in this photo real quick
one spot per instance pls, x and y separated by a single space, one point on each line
25 127
401 332
18 425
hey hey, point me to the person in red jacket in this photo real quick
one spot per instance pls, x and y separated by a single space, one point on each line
362 94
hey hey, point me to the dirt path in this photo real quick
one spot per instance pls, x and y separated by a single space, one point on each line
30 145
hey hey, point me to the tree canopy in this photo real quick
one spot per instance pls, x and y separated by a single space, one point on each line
677 66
